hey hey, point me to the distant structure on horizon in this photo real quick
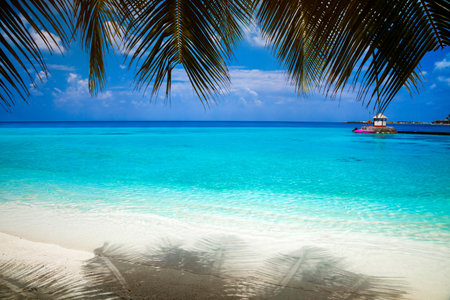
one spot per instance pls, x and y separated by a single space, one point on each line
379 120
443 122
379 126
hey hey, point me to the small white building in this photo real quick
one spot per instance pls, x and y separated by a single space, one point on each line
379 120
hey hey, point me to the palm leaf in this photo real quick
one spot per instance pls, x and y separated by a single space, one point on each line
197 35
327 43
438 15
18 48
99 24
321 43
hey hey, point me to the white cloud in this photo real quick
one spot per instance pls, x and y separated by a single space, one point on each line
254 37
54 42
284 100
111 26
365 67
123 67
256 87
24 21
444 79
248 86
76 90
259 81
73 77
61 67
252 92
36 92
117 32
443 64
105 95
76 94
40 79
257 102
118 42
433 86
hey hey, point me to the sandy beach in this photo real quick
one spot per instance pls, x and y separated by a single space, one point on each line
26 268
32 269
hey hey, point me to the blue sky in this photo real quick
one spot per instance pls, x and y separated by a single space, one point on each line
259 91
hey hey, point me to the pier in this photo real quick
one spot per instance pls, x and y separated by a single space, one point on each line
424 132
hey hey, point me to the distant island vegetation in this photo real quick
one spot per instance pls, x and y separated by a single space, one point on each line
437 122
446 121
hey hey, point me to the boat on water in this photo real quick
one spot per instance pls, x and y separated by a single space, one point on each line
363 131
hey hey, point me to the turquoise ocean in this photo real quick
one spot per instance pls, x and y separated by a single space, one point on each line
381 203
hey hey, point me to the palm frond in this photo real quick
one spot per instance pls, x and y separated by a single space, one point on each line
99 24
328 42
438 15
197 35
321 43
18 47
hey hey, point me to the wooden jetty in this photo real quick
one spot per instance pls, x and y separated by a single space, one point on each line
424 132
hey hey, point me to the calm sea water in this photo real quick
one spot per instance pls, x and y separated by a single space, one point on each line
317 181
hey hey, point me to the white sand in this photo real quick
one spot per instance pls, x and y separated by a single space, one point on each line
424 266
16 249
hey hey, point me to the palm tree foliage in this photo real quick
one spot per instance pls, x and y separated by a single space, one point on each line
372 46
19 48
98 24
199 35
376 44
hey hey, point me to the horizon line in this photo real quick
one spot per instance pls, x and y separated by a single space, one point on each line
52 121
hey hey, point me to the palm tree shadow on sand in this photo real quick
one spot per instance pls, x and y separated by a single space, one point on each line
225 267
211 268
24 281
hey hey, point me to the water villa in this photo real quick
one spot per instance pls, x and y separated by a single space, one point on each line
379 120
379 126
